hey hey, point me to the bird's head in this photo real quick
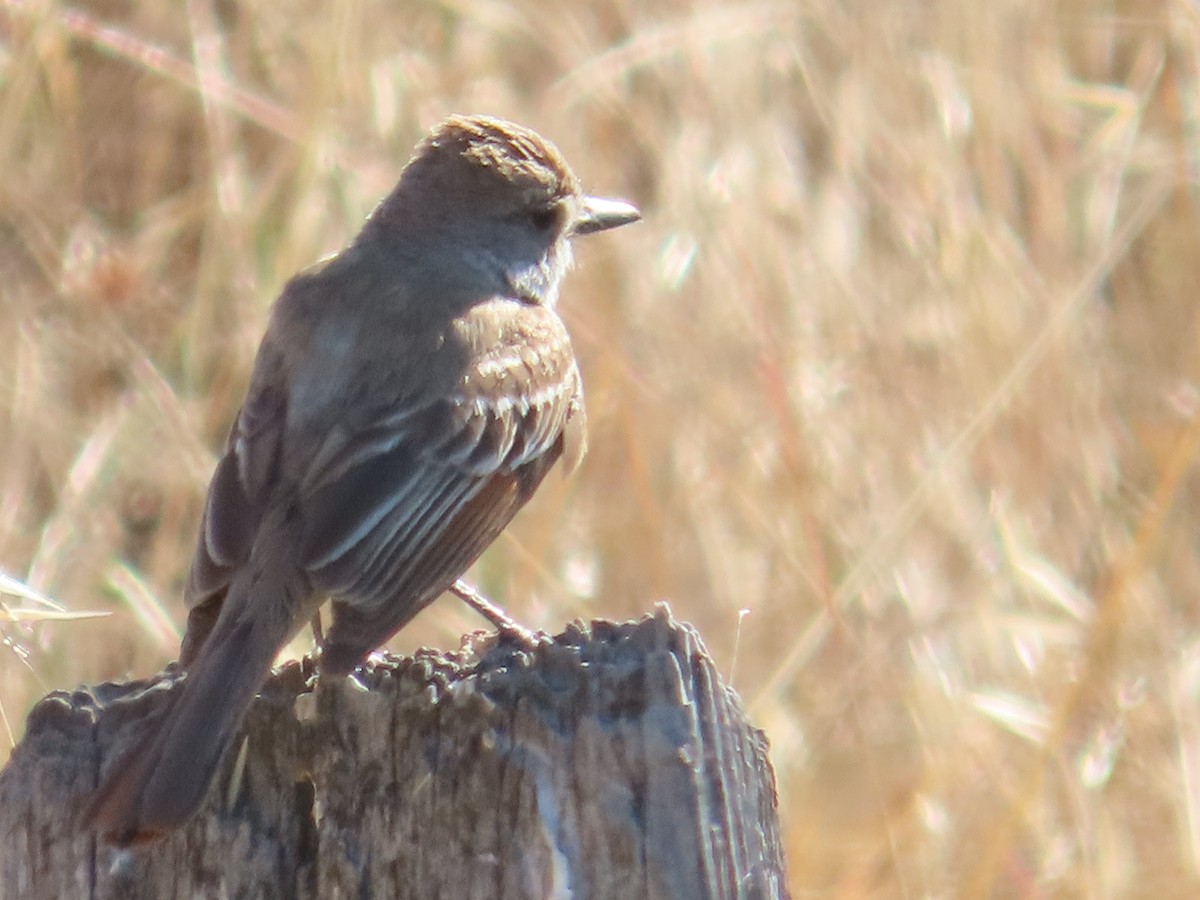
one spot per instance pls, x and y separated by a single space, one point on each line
499 199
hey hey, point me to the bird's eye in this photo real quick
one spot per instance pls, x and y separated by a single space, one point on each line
547 217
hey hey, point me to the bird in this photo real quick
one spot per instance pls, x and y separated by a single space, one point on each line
408 397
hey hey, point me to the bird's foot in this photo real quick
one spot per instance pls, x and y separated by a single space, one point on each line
505 624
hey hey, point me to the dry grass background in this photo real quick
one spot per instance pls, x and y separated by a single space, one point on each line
903 361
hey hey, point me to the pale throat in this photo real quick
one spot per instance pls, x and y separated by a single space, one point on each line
538 282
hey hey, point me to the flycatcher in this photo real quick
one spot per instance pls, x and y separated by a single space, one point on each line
408 398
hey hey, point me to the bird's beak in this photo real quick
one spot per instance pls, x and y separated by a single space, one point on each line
599 214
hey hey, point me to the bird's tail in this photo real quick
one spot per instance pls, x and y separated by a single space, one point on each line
161 782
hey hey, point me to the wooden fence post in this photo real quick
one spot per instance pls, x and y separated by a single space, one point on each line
609 763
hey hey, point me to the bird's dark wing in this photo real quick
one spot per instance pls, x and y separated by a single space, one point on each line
236 501
397 511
